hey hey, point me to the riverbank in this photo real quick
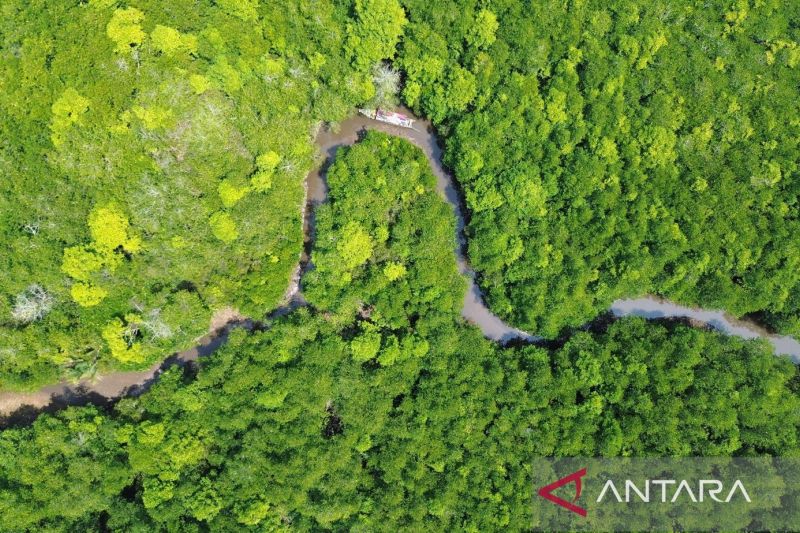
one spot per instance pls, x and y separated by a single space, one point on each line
474 310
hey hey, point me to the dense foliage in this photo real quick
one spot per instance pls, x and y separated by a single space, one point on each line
385 240
379 411
605 150
291 429
617 148
152 157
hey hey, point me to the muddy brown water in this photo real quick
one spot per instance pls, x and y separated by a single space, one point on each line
424 137
24 406
474 310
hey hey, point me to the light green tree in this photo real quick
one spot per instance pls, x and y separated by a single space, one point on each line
199 83
246 10
223 227
253 513
394 271
355 245
118 340
79 262
110 230
67 110
266 164
125 29
483 30
171 42
230 193
365 346
153 117
87 295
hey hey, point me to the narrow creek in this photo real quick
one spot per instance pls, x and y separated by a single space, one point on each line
117 384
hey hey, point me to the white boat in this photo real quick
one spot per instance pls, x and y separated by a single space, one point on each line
390 117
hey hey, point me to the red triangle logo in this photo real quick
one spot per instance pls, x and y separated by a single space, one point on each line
546 492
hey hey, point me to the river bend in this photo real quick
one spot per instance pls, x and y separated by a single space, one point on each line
474 310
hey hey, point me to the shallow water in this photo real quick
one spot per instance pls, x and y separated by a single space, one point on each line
423 136
109 386
652 307
474 310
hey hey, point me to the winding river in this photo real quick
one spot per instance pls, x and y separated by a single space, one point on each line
111 386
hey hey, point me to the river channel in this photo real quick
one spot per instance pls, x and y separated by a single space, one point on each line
474 310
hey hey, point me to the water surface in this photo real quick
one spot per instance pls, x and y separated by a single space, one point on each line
474 310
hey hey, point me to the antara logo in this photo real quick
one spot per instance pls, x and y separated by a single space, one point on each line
683 487
705 489
546 492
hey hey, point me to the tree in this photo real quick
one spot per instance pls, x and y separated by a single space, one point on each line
80 262
355 246
483 29
67 110
265 164
246 10
87 295
394 271
230 193
387 85
125 29
199 83
111 230
154 117
120 337
111 236
366 346
374 36
223 227
32 304
170 41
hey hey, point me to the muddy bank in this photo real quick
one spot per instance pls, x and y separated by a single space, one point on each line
22 407
474 309
329 140
423 136
115 385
